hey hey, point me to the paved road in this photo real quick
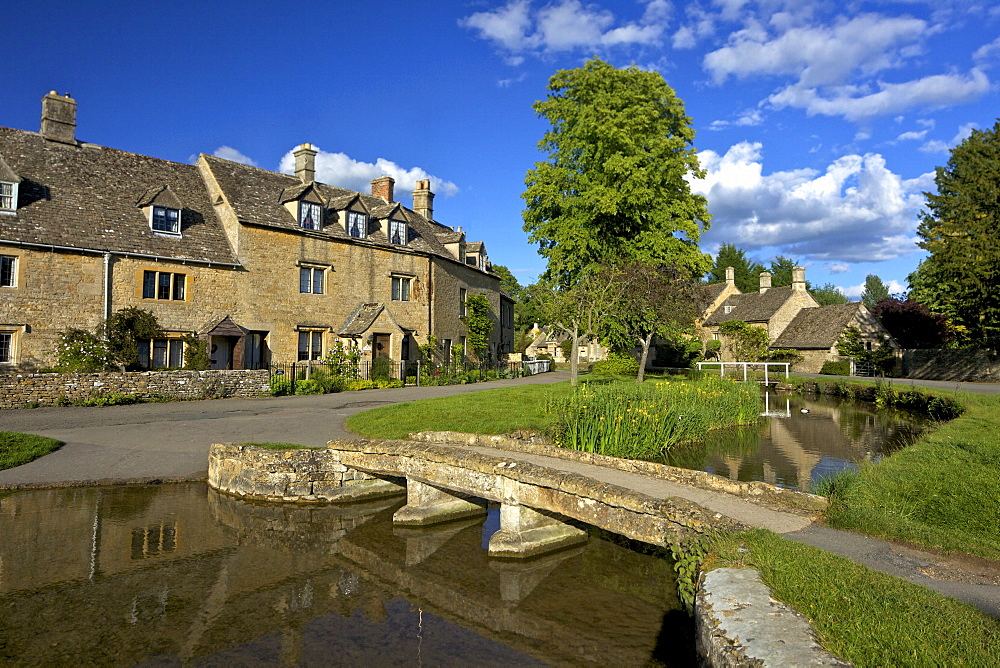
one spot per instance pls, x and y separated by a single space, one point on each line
171 441
902 383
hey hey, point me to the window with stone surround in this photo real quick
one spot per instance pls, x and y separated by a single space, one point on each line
397 232
310 345
8 197
164 285
165 353
357 224
8 271
401 288
311 280
463 296
6 347
166 220
310 216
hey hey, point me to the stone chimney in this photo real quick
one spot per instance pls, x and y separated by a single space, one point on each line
305 163
59 118
799 278
730 276
765 281
382 187
423 199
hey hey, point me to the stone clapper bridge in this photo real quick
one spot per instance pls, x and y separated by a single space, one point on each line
544 492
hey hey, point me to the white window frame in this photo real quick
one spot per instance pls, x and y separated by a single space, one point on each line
8 346
310 207
401 287
8 200
307 279
398 230
357 221
8 279
174 225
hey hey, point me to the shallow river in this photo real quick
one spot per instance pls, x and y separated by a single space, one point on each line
179 574
794 449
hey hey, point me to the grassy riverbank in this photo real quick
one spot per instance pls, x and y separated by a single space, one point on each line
863 616
940 493
17 448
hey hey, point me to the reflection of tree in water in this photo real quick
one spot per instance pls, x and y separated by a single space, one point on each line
730 442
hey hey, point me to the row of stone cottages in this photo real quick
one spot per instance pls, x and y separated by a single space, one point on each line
265 266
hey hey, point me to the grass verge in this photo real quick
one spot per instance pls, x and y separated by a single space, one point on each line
498 411
863 616
17 448
939 493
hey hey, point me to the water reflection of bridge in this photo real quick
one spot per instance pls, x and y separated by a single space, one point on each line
126 574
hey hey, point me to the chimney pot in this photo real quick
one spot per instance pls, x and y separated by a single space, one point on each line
59 118
305 162
798 278
765 281
383 187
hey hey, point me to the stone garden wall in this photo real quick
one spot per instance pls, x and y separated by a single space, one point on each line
976 366
18 390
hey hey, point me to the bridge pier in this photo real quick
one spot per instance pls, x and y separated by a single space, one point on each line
525 532
426 505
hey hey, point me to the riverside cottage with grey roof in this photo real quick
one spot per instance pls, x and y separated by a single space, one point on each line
792 317
265 266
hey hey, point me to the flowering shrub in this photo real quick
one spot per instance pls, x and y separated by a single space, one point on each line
80 351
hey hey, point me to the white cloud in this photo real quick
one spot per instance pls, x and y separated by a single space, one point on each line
338 169
912 136
567 25
856 210
854 103
817 55
987 53
838 268
230 153
854 291
938 146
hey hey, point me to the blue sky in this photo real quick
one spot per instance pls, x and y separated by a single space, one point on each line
820 123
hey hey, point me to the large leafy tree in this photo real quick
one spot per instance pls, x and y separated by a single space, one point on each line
961 230
828 294
874 292
614 188
911 323
745 270
781 271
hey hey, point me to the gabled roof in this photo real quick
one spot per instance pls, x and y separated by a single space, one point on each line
6 173
817 328
162 196
474 247
227 327
85 197
299 191
362 319
711 291
751 306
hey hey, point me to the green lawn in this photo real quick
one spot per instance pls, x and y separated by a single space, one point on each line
17 448
863 616
498 411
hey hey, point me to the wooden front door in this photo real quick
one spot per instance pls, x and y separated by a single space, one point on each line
380 346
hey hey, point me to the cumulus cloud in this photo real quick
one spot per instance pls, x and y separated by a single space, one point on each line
518 29
935 91
338 169
838 268
938 146
230 153
855 210
912 136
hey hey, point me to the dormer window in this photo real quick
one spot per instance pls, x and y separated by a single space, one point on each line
310 216
8 197
357 224
397 232
166 220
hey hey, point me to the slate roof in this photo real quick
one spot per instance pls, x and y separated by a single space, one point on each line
751 306
255 195
712 291
86 197
817 328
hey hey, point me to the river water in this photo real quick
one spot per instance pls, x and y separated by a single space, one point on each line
179 574
794 449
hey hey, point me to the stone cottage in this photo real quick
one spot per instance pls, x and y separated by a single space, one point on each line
792 317
264 266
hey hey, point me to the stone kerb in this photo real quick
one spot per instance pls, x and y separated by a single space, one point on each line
48 389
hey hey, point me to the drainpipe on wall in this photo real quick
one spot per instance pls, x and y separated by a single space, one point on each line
107 285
